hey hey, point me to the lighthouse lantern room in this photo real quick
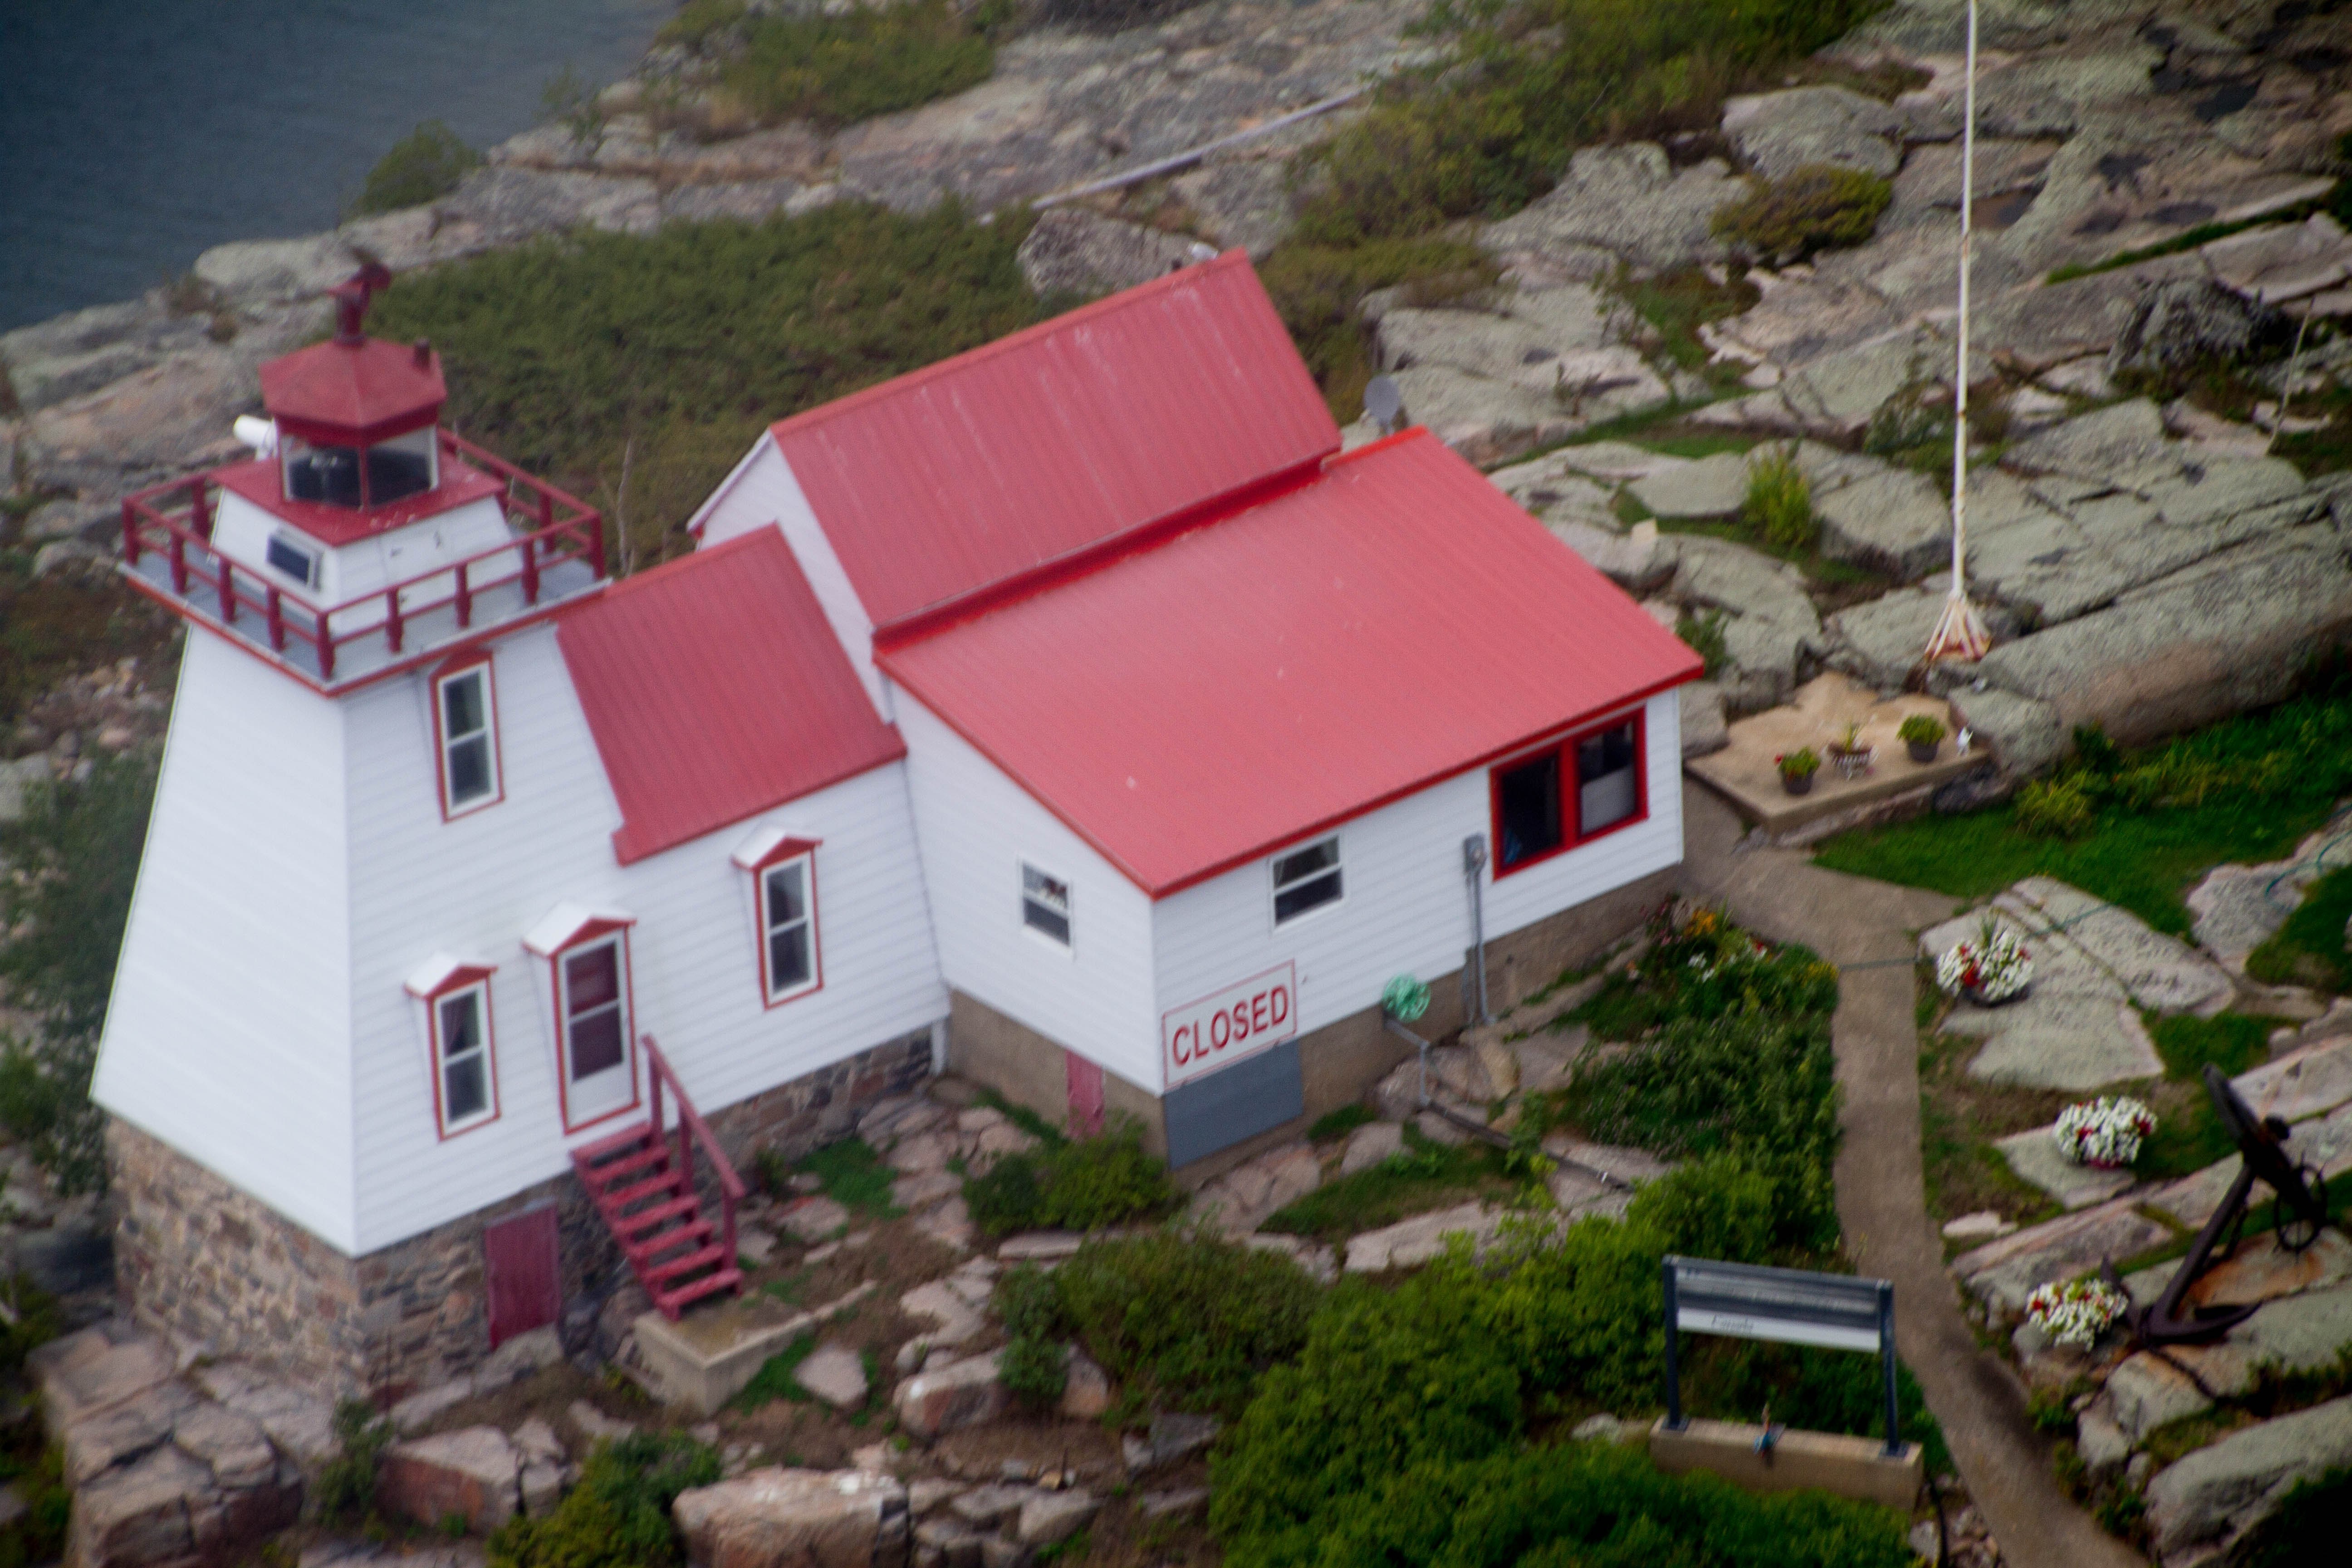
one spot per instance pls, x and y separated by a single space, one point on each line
361 537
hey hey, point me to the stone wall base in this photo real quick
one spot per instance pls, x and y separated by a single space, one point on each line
209 1263
1339 1061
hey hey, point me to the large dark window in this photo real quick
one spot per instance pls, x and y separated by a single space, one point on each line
1527 810
1571 791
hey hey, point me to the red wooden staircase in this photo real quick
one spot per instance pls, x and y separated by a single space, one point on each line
644 1186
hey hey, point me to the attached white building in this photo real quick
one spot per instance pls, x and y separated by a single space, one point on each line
1072 713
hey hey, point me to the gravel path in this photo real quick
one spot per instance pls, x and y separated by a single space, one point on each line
1853 921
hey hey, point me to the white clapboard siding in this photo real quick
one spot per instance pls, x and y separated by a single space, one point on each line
472 886
229 1033
977 827
1405 906
762 493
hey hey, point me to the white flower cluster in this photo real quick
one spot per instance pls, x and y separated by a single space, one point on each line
2104 1133
2075 1314
1993 963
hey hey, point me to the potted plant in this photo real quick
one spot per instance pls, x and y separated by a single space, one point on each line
2103 1133
1989 968
1923 734
1852 758
1797 770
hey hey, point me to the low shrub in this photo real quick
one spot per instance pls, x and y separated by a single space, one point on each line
1185 1321
1588 1505
36 1534
660 357
1920 729
1082 1184
1032 1366
1421 1176
618 1516
1385 1381
422 166
1703 634
836 69
345 1493
2060 807
1317 287
1706 968
1114 15
1780 503
1818 207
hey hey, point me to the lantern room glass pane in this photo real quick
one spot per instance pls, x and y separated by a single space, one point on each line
326 475
399 468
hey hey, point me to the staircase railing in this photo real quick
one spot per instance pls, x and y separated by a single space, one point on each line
692 1130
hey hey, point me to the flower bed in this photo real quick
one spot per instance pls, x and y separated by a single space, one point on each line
2077 1312
2105 1132
1991 966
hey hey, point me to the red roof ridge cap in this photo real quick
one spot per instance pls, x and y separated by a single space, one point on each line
1110 304
1412 432
1096 554
652 575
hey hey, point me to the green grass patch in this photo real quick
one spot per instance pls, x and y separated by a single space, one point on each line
636 370
1420 1177
2244 790
855 1177
1338 1123
2310 949
1678 303
774 1379
2233 1042
788 1290
837 68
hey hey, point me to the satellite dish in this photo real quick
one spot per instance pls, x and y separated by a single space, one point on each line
1383 403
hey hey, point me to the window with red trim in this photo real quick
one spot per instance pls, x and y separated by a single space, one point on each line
464 1054
782 869
788 955
1569 793
466 739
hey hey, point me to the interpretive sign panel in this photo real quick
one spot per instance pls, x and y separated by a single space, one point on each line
1837 1311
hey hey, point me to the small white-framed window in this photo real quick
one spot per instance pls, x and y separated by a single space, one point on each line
788 954
1045 904
465 725
285 556
1305 879
466 1077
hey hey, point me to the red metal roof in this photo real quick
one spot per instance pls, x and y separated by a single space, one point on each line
1196 704
336 392
994 463
715 689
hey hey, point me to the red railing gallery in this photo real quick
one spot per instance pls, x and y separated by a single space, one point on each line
175 521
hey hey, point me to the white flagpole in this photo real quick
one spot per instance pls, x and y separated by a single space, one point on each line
1959 631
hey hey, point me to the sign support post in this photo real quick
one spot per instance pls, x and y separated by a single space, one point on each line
1791 1305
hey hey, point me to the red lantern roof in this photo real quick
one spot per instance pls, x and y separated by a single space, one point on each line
342 394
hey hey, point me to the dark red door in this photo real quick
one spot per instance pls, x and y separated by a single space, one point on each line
522 1274
1086 1081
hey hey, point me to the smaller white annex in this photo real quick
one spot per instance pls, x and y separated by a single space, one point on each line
1073 714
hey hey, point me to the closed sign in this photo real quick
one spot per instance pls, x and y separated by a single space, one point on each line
1203 1035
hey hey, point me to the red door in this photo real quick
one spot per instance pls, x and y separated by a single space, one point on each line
1086 1080
522 1274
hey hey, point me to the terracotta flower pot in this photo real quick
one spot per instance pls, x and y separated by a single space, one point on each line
1923 751
1797 783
